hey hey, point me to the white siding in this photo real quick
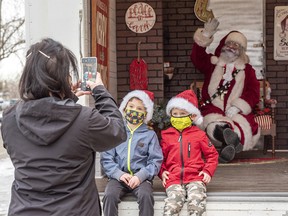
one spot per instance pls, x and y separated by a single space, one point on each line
53 18
246 16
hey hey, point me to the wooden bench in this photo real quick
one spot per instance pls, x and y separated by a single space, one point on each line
264 112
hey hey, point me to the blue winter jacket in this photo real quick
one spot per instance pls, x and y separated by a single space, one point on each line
140 155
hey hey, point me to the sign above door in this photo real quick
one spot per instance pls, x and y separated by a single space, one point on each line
140 17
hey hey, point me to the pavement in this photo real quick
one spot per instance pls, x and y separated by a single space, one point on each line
3 153
6 179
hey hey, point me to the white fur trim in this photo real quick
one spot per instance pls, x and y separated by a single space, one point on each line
215 118
210 132
199 120
148 103
214 60
182 103
242 105
250 141
211 120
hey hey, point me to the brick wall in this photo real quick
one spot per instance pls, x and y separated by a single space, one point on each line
151 49
277 75
179 25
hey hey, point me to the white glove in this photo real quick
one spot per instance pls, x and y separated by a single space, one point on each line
210 27
232 111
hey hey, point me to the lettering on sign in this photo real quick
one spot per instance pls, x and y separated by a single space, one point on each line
140 17
101 29
100 36
281 33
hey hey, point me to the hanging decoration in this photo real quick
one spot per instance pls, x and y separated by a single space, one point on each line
140 17
201 12
138 73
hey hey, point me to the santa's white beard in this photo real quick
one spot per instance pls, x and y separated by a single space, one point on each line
229 55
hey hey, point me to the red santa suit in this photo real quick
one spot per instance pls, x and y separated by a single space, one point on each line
242 91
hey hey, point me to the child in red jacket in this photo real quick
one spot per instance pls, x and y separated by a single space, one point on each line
184 172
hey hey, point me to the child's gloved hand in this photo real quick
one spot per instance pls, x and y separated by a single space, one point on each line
210 27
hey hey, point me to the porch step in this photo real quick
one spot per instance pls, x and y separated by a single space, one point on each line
221 203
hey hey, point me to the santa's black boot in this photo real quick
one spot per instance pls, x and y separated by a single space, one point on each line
231 138
233 146
227 152
218 132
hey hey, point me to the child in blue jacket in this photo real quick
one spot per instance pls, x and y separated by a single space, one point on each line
132 165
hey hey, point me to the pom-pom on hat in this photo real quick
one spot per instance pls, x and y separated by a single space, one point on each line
186 100
147 97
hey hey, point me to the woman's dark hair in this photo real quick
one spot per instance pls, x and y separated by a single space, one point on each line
48 70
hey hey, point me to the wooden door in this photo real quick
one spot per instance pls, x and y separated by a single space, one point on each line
100 36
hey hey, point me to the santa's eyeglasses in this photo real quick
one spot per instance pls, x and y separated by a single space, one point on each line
232 44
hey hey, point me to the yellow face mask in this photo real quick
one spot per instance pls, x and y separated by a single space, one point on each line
180 123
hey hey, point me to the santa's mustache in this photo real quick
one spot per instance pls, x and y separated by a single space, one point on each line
229 54
231 50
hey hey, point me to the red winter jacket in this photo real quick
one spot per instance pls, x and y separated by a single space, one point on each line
183 155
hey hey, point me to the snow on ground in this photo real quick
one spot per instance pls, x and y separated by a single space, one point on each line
6 178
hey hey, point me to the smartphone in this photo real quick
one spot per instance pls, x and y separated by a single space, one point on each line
89 71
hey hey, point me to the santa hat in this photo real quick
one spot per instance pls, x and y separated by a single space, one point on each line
238 38
186 100
147 97
235 36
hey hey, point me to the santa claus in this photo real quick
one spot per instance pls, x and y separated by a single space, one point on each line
230 91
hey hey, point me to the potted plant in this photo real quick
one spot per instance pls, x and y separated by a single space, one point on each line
160 120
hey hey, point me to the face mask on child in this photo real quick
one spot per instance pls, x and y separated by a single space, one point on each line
134 117
180 123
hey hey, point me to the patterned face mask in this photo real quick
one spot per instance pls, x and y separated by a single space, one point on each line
134 117
180 123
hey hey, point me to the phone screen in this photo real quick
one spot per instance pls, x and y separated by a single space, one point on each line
89 71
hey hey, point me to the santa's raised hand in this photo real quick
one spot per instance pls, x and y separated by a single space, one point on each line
210 27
